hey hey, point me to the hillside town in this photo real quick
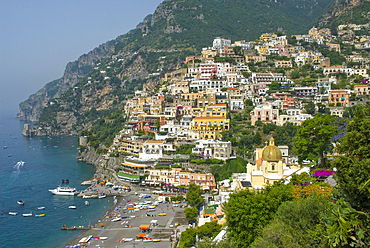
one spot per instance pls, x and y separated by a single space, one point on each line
175 132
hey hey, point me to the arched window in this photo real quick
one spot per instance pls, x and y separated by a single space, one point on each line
273 167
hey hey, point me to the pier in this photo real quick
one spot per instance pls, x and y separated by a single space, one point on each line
74 228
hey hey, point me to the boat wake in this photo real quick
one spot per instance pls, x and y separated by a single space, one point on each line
17 169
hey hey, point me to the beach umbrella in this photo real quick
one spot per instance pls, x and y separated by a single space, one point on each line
141 235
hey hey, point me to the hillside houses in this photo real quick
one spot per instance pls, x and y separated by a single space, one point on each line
269 80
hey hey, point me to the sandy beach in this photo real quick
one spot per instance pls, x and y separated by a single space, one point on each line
128 227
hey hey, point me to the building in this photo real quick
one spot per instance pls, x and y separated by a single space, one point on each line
132 169
270 165
265 113
219 43
361 90
213 149
152 149
210 127
339 98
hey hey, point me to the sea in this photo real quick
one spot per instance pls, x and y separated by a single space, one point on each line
29 167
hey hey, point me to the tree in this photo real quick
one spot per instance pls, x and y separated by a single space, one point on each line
314 139
194 196
354 164
247 211
191 214
310 108
304 216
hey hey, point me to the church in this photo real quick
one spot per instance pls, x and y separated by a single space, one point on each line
271 165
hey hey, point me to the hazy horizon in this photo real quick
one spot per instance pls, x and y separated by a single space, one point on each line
38 39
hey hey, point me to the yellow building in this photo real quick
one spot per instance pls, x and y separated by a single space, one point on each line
215 110
210 127
270 166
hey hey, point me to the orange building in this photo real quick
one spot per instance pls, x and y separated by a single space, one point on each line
339 98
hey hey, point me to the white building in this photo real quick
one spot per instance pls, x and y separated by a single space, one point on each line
219 43
152 149
213 149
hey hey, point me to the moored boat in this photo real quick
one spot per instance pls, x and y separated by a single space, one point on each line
40 215
40 208
87 203
102 195
64 191
13 213
72 207
20 202
27 215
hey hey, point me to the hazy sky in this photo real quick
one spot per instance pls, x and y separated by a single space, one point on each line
39 37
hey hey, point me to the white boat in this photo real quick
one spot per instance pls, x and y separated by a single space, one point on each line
102 196
64 191
27 215
87 203
40 208
20 202
86 196
116 219
72 207
13 213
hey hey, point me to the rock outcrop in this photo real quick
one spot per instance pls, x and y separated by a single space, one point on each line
103 168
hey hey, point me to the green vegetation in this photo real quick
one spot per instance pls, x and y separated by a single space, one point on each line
194 196
184 149
221 172
103 131
246 211
208 230
314 138
354 165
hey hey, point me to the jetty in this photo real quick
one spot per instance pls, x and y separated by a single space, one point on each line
74 228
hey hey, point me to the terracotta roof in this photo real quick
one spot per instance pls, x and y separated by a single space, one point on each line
361 85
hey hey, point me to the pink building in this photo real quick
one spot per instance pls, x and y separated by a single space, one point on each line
265 113
205 181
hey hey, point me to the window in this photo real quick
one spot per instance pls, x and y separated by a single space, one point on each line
273 167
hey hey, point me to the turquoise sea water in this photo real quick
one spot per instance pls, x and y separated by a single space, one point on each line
46 162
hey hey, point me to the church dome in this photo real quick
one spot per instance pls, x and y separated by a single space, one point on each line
271 152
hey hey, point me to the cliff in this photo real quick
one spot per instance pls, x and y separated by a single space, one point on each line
103 168
32 108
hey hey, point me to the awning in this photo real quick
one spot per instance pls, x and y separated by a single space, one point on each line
144 227
141 235
133 165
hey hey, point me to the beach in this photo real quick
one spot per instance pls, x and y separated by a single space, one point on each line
119 223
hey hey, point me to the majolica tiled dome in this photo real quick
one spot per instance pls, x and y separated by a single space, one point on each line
271 152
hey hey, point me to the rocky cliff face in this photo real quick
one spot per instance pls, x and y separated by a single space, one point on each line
103 168
32 108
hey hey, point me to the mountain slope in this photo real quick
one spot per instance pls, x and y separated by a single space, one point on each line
176 29
352 11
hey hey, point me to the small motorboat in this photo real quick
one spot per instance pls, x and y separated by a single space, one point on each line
27 215
40 208
102 195
87 203
116 219
40 215
20 202
13 213
156 240
72 207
